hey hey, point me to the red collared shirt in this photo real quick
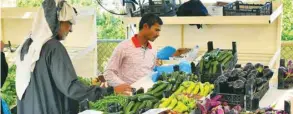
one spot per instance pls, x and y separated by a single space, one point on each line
130 62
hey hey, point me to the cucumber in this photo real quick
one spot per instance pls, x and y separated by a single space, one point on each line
174 88
221 53
227 59
146 97
143 105
223 56
129 107
159 88
210 70
169 87
201 66
207 66
133 98
215 64
149 104
157 105
135 107
159 94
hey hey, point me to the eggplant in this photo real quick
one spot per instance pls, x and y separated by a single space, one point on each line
248 67
233 76
238 87
259 67
268 73
243 74
251 76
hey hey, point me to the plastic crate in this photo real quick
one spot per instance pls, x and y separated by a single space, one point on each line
160 8
239 8
205 76
249 101
282 83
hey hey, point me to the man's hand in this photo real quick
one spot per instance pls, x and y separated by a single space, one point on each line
124 89
181 51
2 46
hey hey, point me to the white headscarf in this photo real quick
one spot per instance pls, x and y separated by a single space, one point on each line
40 34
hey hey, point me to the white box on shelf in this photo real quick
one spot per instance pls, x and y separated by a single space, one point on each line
215 10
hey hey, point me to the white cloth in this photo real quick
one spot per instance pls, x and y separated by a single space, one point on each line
40 34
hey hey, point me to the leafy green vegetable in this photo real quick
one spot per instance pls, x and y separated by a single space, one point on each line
8 90
86 81
102 105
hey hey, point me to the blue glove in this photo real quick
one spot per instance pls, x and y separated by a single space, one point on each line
155 76
167 69
185 66
160 69
166 52
5 107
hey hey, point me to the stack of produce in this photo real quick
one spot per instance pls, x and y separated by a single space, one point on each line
175 76
285 75
107 104
213 63
209 62
184 99
269 110
215 106
168 84
178 91
140 103
242 80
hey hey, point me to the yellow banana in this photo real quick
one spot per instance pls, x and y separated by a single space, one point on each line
173 103
201 88
196 88
179 90
166 103
190 88
180 107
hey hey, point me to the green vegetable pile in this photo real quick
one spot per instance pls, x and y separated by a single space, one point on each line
86 81
164 88
213 62
8 90
102 104
210 60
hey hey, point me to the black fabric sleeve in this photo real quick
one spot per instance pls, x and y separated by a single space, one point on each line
66 80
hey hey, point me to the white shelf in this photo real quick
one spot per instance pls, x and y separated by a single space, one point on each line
214 19
30 13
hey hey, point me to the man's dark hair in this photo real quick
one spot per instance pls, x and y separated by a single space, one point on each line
150 19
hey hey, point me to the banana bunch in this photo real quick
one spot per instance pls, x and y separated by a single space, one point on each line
195 88
180 103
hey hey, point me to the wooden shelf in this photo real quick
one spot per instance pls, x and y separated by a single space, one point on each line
214 19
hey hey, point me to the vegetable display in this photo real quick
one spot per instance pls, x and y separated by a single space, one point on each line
209 62
184 99
244 79
285 76
106 104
